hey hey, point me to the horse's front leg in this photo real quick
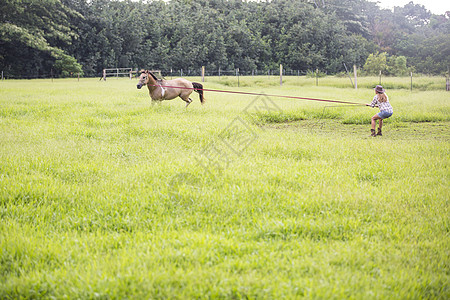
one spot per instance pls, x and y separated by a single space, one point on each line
155 101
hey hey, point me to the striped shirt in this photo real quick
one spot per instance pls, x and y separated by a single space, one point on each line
384 106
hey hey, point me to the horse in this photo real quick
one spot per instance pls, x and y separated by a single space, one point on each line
160 90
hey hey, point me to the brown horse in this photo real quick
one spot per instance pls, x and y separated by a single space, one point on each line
169 89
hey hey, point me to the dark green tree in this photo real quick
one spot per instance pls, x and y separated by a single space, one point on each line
33 34
183 34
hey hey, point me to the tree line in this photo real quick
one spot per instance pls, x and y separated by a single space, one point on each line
64 37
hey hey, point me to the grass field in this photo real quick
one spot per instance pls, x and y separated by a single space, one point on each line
104 196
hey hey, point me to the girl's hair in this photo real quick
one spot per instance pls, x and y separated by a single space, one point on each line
382 97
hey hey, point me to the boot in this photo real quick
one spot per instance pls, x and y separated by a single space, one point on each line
372 132
379 131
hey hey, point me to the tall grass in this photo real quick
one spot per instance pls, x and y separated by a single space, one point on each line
103 195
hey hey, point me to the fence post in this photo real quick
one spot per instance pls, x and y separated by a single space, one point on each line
411 81
380 78
203 73
281 75
317 77
104 74
447 79
356 77
237 74
2 75
181 73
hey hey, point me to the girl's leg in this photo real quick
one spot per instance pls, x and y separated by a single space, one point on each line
379 127
374 121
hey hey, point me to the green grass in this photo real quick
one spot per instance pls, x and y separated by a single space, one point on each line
105 196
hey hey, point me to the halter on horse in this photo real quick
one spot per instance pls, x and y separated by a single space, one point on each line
169 89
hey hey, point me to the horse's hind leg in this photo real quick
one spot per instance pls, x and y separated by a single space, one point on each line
188 101
185 96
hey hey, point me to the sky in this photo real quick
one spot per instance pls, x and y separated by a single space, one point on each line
438 7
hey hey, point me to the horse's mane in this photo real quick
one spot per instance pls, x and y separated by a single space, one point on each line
153 75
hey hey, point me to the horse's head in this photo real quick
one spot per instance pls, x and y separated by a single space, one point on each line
143 79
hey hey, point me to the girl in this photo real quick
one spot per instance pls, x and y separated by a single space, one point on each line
382 101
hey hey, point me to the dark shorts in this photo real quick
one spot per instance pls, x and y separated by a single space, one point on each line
384 114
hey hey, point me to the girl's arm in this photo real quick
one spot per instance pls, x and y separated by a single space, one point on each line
374 102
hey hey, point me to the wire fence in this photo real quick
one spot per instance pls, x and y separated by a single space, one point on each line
236 72
166 73
197 72
7 76
194 72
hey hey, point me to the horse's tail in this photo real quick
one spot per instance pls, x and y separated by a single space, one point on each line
198 87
